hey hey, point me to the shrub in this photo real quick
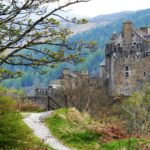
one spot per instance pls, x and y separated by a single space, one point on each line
14 134
13 131
28 106
71 126
137 109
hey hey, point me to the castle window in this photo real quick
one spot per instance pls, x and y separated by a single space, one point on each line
135 44
127 74
127 68
118 44
144 74
127 71
126 56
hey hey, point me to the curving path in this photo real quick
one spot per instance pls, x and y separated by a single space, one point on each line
36 122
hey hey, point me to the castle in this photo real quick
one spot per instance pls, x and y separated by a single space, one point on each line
125 69
127 60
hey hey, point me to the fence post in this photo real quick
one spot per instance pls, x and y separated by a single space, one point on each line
48 103
66 101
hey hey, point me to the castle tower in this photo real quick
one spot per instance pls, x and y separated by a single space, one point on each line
127 33
127 56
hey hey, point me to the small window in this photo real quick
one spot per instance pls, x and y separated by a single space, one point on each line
127 74
127 68
144 74
126 56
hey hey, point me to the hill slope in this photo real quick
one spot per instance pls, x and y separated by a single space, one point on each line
100 34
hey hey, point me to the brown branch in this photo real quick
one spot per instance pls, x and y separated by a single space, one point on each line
37 22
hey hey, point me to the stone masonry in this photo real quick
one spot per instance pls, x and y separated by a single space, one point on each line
127 60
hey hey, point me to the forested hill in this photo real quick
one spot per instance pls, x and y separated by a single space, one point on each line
100 34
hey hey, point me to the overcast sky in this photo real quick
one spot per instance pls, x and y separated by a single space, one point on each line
98 7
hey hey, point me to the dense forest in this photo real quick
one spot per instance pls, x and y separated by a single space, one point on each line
100 34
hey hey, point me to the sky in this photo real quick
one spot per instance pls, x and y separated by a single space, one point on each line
98 7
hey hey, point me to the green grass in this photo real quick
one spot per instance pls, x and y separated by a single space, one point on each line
35 142
74 133
14 133
119 144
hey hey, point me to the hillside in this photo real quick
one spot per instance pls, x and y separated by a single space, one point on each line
97 21
100 34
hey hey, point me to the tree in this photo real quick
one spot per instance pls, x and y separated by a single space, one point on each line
25 25
86 94
137 108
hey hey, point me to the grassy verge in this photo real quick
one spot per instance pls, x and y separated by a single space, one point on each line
32 143
29 106
69 126
120 144
14 133
74 130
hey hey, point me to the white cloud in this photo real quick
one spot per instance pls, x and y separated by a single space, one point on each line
97 7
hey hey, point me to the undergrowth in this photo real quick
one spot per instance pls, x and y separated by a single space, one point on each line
70 127
14 133
77 130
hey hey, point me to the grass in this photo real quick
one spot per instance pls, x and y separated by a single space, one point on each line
120 144
71 128
73 133
35 143
14 133
29 106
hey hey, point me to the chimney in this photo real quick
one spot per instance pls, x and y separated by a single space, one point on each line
66 71
127 33
146 30
114 36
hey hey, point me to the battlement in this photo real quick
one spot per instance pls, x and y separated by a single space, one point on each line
127 60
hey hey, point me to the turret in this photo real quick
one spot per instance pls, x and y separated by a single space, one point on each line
146 30
127 33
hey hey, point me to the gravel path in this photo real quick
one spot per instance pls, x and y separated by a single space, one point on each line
35 122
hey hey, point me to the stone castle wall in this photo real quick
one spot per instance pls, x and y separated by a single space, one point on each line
127 57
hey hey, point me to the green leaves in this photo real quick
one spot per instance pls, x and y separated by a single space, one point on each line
82 21
26 26
53 21
137 108
6 74
79 21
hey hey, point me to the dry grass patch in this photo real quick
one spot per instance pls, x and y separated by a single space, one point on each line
28 106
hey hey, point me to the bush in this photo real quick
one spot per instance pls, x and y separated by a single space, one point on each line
13 131
14 134
71 126
28 106
137 109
